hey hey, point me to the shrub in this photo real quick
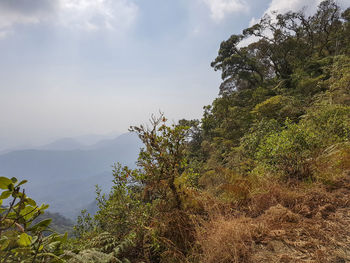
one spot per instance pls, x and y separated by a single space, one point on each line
21 240
289 151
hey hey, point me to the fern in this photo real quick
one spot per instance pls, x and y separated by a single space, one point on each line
125 244
91 256
105 242
106 249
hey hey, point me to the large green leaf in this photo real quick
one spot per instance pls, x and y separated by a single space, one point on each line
22 182
24 240
4 182
14 180
31 201
5 194
43 207
4 242
42 225
28 212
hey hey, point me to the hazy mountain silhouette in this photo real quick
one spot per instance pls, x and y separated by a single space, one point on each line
64 144
66 179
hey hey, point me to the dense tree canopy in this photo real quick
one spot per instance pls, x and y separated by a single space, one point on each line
277 76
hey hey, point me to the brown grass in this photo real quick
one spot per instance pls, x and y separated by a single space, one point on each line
299 223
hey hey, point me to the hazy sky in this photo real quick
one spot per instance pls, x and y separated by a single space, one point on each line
73 67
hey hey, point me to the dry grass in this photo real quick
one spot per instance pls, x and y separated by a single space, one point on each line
299 223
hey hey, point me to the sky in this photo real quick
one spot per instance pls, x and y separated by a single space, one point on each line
77 67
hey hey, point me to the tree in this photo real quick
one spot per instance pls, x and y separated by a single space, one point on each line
162 160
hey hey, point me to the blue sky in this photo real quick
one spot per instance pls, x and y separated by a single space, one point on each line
73 67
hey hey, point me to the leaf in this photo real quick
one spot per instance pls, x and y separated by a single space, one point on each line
41 248
24 240
53 256
41 225
53 245
4 182
4 244
27 212
14 180
22 182
5 194
31 202
43 207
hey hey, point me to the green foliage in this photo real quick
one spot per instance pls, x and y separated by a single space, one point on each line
295 60
84 224
21 238
291 150
162 160
277 107
103 248
123 209
288 151
91 256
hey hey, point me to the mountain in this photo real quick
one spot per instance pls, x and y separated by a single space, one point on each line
90 139
64 144
82 142
66 179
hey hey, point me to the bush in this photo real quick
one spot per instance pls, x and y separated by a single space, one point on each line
289 151
21 240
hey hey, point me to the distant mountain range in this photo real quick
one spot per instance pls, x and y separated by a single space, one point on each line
70 143
64 173
64 144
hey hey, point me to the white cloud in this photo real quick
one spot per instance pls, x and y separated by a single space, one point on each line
89 15
253 21
220 8
283 6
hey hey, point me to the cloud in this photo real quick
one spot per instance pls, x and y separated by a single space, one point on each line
220 8
92 15
283 6
309 6
89 15
14 12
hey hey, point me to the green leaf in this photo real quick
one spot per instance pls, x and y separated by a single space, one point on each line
4 182
4 242
22 182
41 248
43 207
5 194
53 256
53 245
24 240
42 225
14 180
27 212
31 202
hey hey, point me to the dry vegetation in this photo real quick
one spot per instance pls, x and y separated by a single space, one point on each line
289 222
